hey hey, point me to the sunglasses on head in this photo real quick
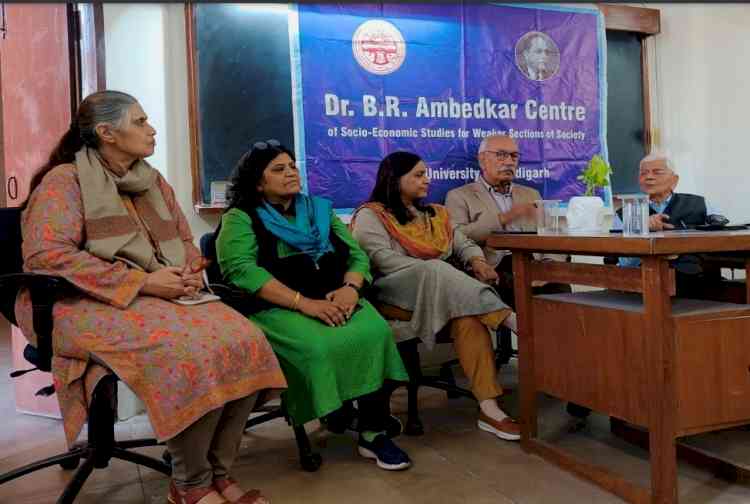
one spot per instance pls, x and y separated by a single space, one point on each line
271 142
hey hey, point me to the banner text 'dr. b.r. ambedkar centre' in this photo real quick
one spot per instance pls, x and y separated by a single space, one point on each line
437 79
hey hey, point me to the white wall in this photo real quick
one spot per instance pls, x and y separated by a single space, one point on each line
701 102
146 57
698 88
135 62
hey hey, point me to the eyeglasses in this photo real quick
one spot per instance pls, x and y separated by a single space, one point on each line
658 172
503 155
271 142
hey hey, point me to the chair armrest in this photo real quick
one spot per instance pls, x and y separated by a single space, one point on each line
44 290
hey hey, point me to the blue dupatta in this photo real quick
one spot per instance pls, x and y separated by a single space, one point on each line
311 229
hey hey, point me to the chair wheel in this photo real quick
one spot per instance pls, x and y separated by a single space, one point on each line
71 463
311 462
413 428
167 457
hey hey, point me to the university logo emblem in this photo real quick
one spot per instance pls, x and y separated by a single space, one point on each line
378 47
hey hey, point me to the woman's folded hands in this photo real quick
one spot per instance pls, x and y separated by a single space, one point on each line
172 282
330 312
483 271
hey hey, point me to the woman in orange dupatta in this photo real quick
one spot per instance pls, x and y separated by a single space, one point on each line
412 247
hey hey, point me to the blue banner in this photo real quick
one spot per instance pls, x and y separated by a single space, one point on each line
370 79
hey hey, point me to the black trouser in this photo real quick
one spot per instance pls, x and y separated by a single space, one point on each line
372 414
374 411
700 286
505 285
507 294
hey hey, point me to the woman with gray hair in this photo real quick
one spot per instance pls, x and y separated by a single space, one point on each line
102 218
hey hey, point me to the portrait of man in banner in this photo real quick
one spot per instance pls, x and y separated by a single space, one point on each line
537 56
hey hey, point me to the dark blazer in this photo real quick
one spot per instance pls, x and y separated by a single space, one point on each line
689 209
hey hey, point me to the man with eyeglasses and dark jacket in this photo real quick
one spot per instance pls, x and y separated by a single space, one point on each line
670 210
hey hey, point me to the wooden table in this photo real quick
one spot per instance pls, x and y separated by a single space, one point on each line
674 367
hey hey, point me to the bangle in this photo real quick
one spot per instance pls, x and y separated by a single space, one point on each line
296 301
352 285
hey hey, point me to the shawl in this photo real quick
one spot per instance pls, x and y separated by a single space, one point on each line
111 232
421 238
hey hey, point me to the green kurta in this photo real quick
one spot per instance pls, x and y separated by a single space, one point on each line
323 365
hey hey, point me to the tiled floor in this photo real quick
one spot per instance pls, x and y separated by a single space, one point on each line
453 462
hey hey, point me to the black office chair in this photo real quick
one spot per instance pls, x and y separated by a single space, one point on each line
409 351
240 301
101 445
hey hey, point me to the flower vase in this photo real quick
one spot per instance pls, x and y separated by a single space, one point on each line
585 215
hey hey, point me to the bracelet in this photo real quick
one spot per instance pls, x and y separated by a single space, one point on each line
352 285
296 301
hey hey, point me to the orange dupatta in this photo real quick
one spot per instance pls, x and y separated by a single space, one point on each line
419 240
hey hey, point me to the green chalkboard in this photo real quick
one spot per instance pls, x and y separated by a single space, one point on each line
243 83
625 133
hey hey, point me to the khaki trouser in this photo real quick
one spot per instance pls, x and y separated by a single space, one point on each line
207 448
473 344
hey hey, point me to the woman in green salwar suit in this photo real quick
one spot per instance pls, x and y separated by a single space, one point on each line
305 270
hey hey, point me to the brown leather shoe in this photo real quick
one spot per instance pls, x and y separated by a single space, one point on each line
507 429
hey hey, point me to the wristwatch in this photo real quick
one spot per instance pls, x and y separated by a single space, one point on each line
353 286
